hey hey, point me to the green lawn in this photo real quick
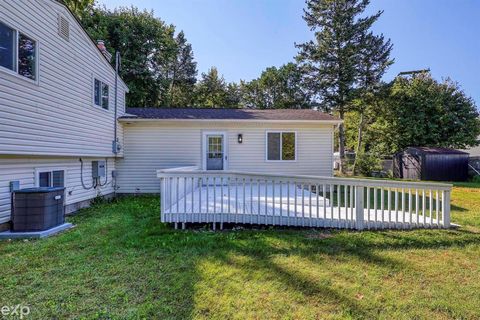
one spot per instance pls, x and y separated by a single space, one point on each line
120 262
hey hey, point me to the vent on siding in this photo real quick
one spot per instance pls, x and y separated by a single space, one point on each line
63 27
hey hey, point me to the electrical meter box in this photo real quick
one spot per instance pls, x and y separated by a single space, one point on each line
98 169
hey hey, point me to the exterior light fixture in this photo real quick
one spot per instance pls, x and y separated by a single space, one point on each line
240 138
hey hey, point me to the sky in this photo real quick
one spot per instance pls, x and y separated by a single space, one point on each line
243 37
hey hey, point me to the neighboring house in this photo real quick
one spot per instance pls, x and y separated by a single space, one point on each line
296 142
474 152
57 93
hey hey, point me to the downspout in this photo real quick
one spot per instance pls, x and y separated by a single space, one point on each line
115 137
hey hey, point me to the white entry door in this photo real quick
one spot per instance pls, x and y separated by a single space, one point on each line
215 153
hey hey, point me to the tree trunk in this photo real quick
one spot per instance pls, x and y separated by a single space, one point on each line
341 144
359 142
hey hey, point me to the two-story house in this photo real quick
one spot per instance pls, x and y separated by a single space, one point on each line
57 105
62 112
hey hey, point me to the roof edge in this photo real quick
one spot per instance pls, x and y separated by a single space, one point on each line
129 119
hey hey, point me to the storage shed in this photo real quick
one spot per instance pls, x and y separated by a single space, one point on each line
434 164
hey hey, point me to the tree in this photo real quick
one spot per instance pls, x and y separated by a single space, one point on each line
213 92
157 66
331 62
276 88
419 111
375 60
80 8
179 75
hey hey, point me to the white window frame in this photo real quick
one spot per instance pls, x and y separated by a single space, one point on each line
281 145
37 57
102 82
50 169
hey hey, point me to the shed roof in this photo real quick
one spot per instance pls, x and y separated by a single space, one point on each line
228 114
436 150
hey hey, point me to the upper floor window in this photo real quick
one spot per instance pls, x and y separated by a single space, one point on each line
281 146
18 52
100 92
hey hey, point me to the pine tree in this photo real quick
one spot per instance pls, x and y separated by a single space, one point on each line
180 75
331 62
375 60
211 90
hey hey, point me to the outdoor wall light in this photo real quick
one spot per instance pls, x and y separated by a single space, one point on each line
240 138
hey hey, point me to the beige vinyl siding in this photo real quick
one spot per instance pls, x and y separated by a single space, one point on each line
150 146
475 151
56 116
24 170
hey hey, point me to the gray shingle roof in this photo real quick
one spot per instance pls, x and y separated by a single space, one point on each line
227 114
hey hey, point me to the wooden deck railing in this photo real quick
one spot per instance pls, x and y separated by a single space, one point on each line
189 195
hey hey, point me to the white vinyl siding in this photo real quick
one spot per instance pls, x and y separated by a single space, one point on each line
150 146
26 170
56 117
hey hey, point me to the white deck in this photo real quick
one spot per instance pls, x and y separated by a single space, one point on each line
258 203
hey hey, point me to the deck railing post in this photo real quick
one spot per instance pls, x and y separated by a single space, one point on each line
162 199
446 209
359 208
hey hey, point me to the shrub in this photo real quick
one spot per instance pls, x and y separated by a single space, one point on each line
367 163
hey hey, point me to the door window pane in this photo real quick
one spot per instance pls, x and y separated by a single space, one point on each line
27 57
273 143
7 47
215 153
288 146
44 179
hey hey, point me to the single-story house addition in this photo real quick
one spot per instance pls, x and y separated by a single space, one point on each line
289 141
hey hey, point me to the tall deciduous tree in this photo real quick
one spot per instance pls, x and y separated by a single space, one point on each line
423 112
331 62
276 88
80 7
157 66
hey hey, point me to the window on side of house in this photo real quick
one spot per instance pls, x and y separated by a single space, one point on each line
281 146
101 94
27 57
105 96
18 52
53 178
8 40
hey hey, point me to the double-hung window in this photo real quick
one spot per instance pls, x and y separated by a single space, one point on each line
100 93
51 178
18 52
281 146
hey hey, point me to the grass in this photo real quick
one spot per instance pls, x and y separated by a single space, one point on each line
120 262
